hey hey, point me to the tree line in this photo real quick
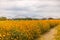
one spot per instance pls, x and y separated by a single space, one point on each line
5 18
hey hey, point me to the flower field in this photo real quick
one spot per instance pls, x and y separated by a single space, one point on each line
26 29
57 35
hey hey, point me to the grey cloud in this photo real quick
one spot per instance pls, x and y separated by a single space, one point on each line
42 8
17 9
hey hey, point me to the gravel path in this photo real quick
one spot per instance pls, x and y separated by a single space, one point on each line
49 35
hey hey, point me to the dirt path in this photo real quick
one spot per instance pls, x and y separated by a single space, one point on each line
49 35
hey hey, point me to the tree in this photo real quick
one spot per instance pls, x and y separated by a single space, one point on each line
3 18
50 18
44 18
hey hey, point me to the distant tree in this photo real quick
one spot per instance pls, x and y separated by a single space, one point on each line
3 18
44 18
28 18
50 18
25 19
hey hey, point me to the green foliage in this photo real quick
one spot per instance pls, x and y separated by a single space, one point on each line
3 18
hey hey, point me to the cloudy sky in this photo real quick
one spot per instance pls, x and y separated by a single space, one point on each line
30 8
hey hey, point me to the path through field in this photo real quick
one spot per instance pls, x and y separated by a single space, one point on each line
49 35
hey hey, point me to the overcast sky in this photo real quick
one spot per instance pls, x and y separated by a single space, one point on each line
30 8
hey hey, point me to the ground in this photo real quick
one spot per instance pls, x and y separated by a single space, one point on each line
50 35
